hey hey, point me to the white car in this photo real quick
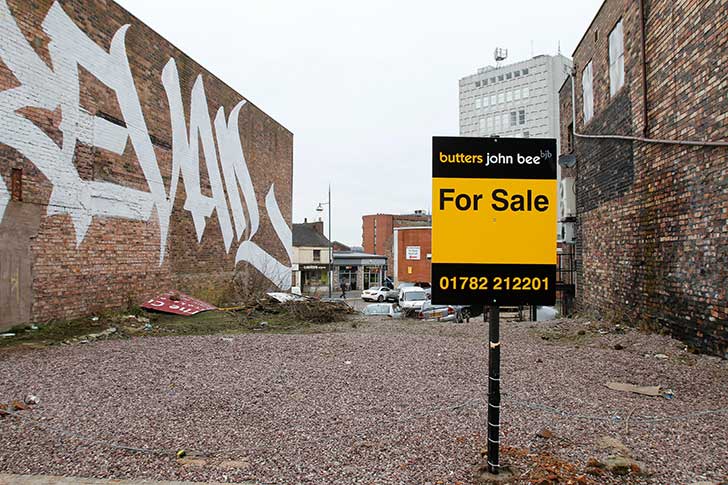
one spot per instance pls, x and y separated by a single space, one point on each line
390 310
412 298
375 293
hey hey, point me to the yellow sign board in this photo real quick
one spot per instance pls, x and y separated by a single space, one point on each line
494 204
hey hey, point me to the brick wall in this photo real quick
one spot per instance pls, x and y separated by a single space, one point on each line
97 111
378 232
652 233
413 271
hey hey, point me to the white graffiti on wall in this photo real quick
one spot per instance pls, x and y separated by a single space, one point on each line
40 86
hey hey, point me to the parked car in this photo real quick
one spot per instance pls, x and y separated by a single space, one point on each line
411 299
383 309
425 286
392 295
375 293
420 284
443 313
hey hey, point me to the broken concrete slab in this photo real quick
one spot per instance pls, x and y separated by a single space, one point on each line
644 390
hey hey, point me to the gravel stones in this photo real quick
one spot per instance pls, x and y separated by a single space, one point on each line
409 407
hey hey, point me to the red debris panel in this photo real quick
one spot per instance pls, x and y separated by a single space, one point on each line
177 303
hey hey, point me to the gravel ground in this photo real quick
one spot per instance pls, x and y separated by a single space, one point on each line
385 402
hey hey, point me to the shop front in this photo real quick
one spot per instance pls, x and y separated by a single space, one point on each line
360 271
314 278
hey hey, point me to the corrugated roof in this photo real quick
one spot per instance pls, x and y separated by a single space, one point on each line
304 234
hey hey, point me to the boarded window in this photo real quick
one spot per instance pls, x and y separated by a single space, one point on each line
587 92
616 59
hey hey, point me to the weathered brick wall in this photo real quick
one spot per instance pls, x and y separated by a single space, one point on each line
378 233
653 218
89 161
413 271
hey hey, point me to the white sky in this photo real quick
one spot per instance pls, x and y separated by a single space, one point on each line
364 85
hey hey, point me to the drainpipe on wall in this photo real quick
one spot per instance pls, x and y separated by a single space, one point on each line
645 125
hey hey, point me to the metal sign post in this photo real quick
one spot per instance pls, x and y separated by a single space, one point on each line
493 389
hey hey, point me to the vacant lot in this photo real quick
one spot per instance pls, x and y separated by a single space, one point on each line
375 402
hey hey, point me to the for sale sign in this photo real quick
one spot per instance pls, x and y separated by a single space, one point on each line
493 221
412 252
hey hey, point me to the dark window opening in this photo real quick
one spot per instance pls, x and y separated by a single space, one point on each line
570 138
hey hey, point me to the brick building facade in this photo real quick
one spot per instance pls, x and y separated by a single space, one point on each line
378 231
126 168
652 230
412 249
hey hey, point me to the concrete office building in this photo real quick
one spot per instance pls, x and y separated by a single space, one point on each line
519 100
516 100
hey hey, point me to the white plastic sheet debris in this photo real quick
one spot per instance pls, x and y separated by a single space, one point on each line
281 297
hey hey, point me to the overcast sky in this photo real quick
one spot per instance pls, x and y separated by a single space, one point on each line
363 86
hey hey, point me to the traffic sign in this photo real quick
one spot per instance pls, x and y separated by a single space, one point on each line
494 204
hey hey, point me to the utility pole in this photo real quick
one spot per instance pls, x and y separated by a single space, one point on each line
320 208
331 250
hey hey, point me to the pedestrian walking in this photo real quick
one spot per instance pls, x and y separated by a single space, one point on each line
343 290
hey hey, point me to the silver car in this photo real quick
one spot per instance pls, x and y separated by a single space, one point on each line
383 309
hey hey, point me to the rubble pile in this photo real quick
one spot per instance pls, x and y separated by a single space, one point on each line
302 309
318 311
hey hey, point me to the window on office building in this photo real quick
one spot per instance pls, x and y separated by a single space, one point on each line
513 118
509 96
492 80
525 92
500 78
509 75
501 97
526 134
477 102
482 125
504 117
490 124
492 100
525 71
485 101
587 93
616 59
497 123
317 255
477 84
521 116
516 73
517 94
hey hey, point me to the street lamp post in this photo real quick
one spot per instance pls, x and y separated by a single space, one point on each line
320 208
